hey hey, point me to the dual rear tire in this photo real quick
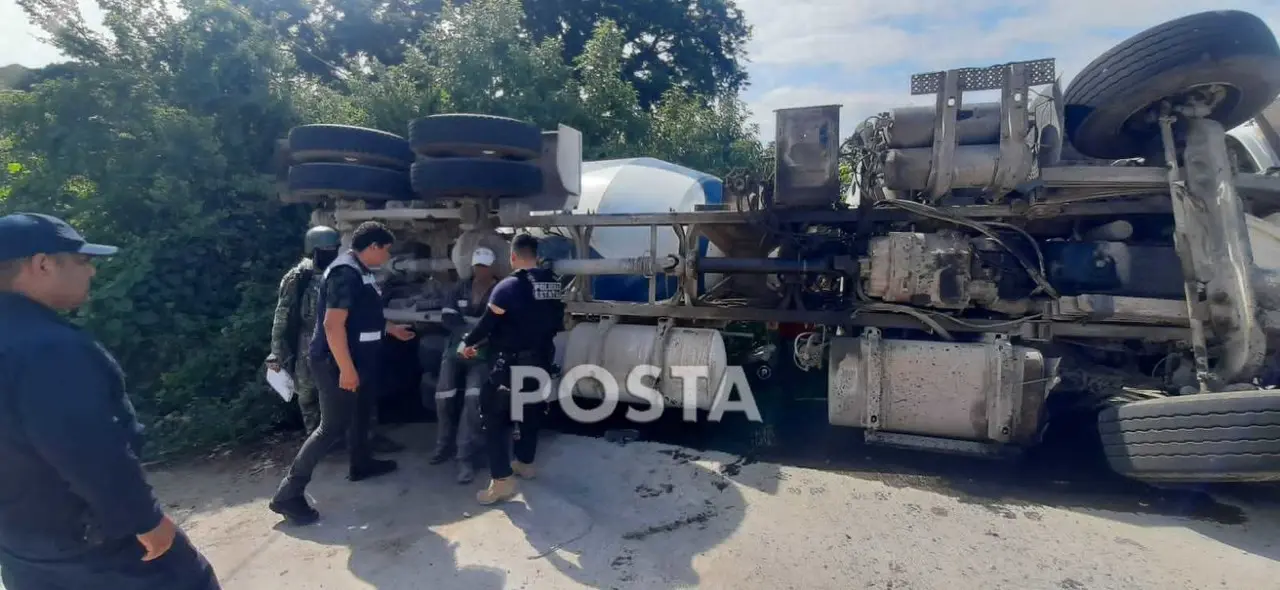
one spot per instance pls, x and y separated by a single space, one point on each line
445 157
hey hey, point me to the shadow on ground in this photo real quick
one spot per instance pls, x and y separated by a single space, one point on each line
603 515
386 526
392 539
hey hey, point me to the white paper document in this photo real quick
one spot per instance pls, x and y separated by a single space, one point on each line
282 383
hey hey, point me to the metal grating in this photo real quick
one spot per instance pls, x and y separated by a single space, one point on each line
1040 71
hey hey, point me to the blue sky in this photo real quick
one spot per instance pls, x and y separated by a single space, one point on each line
861 53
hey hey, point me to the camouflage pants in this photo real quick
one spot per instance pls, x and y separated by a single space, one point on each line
308 395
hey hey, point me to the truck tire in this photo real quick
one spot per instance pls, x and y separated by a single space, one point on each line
445 178
474 136
1200 438
347 144
1105 103
348 181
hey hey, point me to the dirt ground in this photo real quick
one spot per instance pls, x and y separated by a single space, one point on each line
649 515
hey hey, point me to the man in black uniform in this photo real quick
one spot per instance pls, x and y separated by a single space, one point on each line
524 314
76 511
344 351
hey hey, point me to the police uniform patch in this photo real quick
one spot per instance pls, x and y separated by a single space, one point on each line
544 290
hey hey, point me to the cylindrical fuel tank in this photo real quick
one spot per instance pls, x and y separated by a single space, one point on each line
975 124
620 348
973 166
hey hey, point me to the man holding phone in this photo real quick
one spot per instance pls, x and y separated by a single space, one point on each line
345 351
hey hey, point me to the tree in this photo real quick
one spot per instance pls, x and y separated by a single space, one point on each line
718 140
160 144
159 136
328 37
694 45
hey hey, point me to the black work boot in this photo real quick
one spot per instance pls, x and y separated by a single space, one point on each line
370 469
297 511
291 503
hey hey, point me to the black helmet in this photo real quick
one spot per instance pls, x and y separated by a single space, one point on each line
322 238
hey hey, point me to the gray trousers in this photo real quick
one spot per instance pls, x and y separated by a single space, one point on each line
458 408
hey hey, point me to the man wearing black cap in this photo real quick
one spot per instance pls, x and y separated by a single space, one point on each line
76 511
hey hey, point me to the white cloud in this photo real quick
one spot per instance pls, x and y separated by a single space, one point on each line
859 34
869 48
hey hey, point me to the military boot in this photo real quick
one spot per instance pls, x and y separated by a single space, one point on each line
499 490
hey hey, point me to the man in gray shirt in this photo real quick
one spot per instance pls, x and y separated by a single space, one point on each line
458 408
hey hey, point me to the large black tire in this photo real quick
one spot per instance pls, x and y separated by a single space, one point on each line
446 178
1105 104
475 136
346 144
1213 437
349 181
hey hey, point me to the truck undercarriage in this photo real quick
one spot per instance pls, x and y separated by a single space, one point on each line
1104 247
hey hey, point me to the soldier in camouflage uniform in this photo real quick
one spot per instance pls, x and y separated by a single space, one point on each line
295 318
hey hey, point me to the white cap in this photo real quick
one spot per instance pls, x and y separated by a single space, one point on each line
482 257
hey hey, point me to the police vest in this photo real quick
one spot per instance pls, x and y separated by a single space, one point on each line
538 323
365 321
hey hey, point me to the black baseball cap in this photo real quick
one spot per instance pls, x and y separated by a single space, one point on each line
27 234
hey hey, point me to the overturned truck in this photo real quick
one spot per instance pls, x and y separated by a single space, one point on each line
1110 246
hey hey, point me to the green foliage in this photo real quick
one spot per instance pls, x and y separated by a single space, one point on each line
695 45
716 139
160 138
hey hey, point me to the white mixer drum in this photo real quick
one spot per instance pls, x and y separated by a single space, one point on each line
640 185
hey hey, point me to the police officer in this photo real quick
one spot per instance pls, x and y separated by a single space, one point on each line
345 351
524 314
76 511
458 413
295 318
